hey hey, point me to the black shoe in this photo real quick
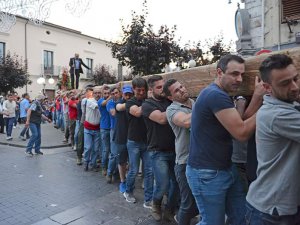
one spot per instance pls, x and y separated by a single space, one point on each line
39 153
86 167
29 153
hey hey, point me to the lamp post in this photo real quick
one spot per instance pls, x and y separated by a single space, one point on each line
42 80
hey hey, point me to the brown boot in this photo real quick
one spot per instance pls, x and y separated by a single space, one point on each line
156 211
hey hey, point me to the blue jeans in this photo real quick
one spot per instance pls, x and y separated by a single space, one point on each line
188 208
218 192
76 132
25 130
255 217
35 139
165 182
9 123
105 141
91 146
112 162
137 151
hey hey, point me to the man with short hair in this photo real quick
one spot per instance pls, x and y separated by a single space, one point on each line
274 196
104 128
179 117
76 64
137 144
161 144
213 179
9 114
24 106
91 124
34 119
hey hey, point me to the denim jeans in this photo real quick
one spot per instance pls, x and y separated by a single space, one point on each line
112 162
165 182
35 139
137 151
25 130
105 146
76 132
9 123
218 192
188 208
255 217
91 146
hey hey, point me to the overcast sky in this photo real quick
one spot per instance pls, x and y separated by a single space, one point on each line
195 19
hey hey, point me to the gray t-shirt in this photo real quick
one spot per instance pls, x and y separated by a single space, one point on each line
182 135
278 154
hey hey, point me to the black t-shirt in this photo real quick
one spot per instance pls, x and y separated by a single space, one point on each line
136 126
121 124
159 137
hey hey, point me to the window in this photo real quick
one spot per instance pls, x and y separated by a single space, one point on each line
2 50
48 62
89 63
290 10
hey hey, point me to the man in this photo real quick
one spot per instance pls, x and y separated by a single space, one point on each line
34 119
9 114
274 197
214 181
137 144
105 128
160 140
65 109
111 109
72 105
120 135
179 117
24 106
1 115
75 68
91 124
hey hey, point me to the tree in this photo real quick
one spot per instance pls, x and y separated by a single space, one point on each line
12 73
143 50
103 74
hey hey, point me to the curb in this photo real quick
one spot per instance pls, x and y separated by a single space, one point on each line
42 147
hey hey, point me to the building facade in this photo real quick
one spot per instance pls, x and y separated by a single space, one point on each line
267 24
47 50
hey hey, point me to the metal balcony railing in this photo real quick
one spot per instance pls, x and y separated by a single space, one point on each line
51 70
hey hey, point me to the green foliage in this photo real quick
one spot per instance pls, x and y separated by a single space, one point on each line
143 50
103 74
12 73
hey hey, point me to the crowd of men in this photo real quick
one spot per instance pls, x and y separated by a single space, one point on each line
204 157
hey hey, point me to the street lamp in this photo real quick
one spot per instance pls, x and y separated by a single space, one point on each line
51 80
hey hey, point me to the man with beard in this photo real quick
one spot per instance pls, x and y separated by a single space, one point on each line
161 143
179 117
274 197
213 179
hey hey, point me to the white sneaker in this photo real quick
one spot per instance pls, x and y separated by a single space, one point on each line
9 138
129 197
74 148
14 127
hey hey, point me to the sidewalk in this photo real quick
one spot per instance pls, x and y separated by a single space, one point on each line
51 137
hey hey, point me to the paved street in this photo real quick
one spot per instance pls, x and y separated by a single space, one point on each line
51 189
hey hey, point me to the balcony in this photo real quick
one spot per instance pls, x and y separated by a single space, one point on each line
51 70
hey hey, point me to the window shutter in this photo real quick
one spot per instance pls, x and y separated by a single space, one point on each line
290 10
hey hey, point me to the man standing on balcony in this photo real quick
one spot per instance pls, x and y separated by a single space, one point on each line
75 68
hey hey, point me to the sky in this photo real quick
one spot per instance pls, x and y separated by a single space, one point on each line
195 19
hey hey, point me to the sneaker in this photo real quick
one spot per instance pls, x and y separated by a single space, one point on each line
122 187
9 138
147 205
74 148
176 219
109 179
104 172
14 127
29 153
39 153
65 141
79 162
129 197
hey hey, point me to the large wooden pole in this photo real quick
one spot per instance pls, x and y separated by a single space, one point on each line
195 79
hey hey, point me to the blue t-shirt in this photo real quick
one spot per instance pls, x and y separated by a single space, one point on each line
111 105
24 104
210 142
105 119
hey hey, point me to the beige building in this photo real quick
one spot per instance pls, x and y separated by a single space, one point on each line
48 49
267 24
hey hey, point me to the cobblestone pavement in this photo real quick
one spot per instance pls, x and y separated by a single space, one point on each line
51 190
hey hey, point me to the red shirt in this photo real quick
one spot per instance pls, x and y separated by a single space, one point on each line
72 111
